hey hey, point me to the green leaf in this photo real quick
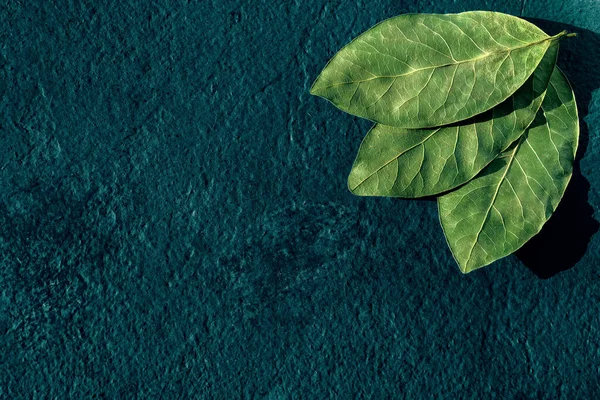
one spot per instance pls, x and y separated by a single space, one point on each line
399 162
494 214
427 70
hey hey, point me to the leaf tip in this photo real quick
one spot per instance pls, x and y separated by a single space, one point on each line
470 265
315 89
466 265
464 269
351 185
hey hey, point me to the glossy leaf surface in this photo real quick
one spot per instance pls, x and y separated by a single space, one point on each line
494 214
399 162
427 70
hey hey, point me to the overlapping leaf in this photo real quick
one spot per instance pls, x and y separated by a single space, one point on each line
427 70
509 201
401 162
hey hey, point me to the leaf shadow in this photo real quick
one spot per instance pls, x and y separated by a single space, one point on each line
564 239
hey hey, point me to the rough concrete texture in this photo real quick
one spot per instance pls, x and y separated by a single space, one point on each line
175 222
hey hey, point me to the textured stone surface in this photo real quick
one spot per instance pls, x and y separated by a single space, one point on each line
175 222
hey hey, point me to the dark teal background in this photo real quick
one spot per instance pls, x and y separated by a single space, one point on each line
175 222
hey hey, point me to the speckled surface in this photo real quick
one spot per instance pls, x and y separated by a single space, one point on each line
175 222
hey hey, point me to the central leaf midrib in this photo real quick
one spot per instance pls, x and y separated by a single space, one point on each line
487 213
487 54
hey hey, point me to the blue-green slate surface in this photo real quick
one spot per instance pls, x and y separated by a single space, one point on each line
175 221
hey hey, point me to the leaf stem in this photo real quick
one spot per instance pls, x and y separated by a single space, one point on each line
564 34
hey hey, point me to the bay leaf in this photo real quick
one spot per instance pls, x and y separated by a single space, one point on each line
400 162
497 212
427 70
